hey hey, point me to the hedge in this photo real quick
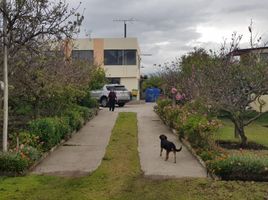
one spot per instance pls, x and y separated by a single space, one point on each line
50 130
13 163
242 167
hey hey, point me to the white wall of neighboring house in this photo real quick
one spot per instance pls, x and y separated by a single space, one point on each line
256 106
129 74
263 52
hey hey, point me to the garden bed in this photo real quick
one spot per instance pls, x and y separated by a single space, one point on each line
43 137
223 158
237 145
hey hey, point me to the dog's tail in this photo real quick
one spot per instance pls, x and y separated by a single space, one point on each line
179 149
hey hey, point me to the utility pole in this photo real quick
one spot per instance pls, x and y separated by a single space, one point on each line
5 77
125 24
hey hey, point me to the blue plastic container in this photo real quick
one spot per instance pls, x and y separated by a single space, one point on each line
152 94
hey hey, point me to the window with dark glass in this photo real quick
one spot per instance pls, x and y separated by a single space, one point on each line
86 55
129 57
113 57
120 57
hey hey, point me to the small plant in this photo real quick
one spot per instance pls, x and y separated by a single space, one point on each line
26 138
30 152
14 163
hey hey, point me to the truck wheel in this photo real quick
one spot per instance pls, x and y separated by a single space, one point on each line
121 104
104 102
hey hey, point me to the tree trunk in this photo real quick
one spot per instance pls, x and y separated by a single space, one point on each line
236 132
5 78
239 131
242 135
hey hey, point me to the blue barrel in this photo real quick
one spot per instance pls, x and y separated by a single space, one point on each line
152 94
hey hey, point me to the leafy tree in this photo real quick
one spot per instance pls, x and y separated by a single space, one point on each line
98 79
229 85
47 83
152 81
34 22
28 23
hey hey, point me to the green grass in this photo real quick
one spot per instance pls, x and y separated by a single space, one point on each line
256 132
119 177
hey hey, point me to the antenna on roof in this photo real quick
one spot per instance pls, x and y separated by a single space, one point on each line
125 24
88 34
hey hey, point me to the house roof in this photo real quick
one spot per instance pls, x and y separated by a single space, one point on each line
239 52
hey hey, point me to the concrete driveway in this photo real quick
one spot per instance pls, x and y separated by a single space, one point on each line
150 127
83 153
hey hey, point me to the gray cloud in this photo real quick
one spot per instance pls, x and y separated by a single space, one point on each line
167 29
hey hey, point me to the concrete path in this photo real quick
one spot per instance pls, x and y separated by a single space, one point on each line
150 127
83 153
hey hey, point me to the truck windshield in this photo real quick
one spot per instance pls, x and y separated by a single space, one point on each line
117 88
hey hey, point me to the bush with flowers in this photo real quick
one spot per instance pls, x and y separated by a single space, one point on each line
197 124
13 163
191 121
240 167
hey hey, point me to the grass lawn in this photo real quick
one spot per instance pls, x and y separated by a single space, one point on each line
256 132
119 177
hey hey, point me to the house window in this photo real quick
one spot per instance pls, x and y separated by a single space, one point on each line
85 55
120 57
129 57
113 57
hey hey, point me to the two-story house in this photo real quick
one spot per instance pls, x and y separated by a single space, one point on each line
120 58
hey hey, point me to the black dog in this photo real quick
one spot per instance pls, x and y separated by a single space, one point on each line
168 146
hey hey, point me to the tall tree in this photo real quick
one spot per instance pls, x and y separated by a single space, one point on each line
27 23
232 85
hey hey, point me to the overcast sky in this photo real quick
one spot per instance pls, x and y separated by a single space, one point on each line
168 29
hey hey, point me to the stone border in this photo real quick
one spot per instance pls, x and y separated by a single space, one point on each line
199 159
46 154
192 151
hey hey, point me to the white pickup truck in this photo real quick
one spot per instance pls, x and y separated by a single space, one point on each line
122 94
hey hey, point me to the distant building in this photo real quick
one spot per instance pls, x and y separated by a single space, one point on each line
120 58
243 55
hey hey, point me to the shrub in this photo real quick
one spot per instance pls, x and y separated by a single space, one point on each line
85 112
77 115
207 155
50 130
172 116
25 138
14 163
89 102
75 119
30 152
161 104
199 131
243 167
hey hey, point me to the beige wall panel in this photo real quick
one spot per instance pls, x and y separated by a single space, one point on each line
98 45
121 43
121 71
131 83
83 44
